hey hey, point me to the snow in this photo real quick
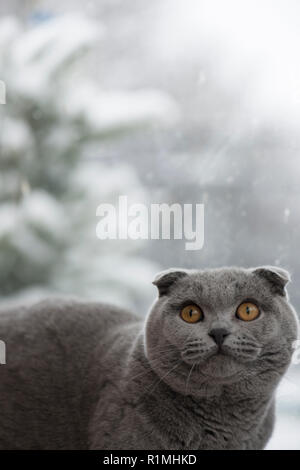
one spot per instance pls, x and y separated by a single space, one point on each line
16 135
9 32
56 40
8 217
40 53
2 92
117 109
49 190
253 47
286 433
40 209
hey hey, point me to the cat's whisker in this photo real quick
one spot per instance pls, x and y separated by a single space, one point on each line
159 356
162 378
188 378
165 345
158 351
157 361
154 361
142 374
171 347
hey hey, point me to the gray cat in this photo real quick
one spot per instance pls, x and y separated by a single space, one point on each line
199 373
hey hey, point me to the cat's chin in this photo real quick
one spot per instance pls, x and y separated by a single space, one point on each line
221 368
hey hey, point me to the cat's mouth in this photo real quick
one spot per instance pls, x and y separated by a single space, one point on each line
196 355
218 364
216 367
222 353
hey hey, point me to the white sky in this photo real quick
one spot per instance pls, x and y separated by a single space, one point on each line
253 43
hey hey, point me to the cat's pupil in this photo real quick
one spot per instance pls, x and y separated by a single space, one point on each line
191 313
247 309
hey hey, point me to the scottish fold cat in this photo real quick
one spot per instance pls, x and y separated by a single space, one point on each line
199 373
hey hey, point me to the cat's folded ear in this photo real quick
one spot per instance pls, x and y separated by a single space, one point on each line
277 277
165 279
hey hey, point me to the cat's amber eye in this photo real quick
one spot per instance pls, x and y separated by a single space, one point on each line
247 311
191 314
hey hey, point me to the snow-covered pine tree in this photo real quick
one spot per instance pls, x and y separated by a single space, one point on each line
51 180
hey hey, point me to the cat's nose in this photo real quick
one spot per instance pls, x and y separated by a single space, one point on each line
218 335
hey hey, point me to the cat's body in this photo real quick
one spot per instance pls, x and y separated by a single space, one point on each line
84 375
57 369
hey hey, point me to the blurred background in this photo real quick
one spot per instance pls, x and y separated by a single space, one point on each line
162 101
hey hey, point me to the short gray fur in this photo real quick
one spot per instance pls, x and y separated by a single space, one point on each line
91 376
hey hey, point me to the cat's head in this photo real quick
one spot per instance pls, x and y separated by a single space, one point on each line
220 326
